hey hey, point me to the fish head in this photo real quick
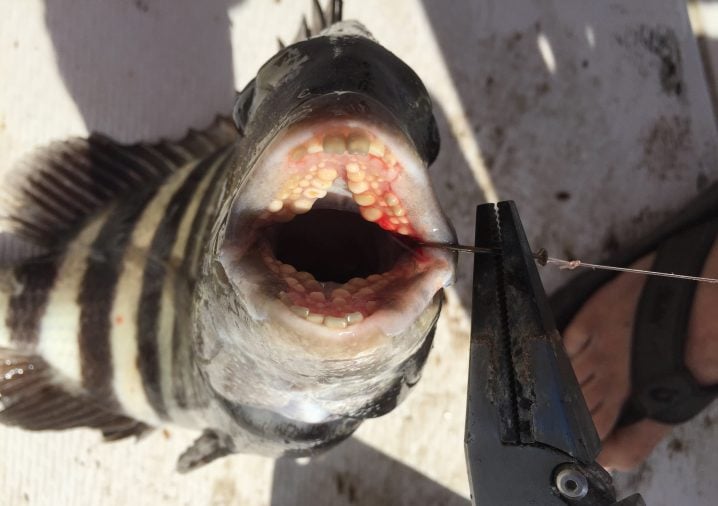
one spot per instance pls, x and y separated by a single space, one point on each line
316 299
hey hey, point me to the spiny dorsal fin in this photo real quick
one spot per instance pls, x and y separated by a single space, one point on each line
55 191
32 397
321 18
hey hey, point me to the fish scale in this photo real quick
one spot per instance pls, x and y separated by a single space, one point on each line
146 286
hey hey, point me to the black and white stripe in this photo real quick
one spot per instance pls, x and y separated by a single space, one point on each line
103 312
159 300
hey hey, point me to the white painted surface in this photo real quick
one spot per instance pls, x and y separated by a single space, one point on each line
557 104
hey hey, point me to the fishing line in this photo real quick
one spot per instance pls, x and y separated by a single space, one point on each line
543 259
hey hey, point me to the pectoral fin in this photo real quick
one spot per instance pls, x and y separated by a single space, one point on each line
33 396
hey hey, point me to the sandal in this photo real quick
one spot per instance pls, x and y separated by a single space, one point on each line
662 387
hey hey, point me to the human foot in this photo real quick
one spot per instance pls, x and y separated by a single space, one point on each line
598 341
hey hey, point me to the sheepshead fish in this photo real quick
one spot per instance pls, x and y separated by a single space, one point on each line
260 281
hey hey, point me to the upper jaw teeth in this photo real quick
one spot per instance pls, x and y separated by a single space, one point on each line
346 161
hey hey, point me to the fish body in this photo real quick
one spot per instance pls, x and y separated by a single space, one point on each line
263 284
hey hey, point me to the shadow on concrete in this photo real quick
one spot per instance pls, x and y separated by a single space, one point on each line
453 182
515 84
357 475
166 62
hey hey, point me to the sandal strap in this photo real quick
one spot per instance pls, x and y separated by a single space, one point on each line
663 388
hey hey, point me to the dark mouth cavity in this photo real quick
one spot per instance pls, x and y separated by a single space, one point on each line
336 246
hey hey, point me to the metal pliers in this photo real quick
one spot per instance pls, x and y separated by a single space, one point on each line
529 436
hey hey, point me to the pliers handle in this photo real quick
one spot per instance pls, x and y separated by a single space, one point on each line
529 436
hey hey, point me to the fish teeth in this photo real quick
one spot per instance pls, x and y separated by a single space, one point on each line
353 318
302 206
334 144
334 322
327 174
275 206
341 293
314 146
358 143
377 149
300 311
358 186
365 199
370 213
355 163
315 318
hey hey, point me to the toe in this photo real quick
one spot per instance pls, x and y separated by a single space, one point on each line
575 340
629 446
604 416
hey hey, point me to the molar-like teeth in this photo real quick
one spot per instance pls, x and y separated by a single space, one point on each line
356 176
287 269
358 186
370 213
295 285
391 199
340 293
327 174
302 206
353 318
304 276
275 206
360 282
317 296
365 292
403 230
335 323
300 311
334 144
398 211
313 285
358 143
321 184
365 199
314 193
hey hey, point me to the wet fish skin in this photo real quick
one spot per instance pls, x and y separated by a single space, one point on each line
330 75
122 316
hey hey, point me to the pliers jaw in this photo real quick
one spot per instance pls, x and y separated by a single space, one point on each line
529 435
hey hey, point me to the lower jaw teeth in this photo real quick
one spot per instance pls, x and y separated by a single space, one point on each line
334 322
334 306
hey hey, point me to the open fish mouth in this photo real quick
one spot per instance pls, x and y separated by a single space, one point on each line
337 210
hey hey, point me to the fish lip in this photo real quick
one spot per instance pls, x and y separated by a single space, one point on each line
341 108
